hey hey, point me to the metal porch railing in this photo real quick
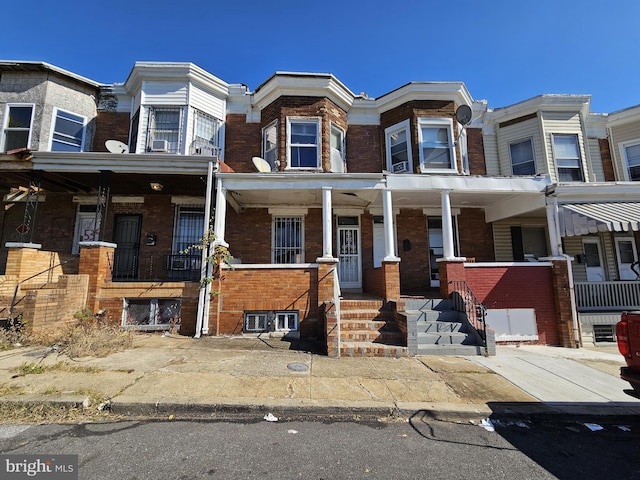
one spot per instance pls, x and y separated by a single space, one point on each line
130 266
603 296
465 301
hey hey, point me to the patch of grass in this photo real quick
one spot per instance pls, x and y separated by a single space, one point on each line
7 390
30 369
12 337
15 412
51 391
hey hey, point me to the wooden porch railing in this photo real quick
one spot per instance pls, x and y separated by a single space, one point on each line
617 296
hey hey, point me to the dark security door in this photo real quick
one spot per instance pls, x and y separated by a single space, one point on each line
126 235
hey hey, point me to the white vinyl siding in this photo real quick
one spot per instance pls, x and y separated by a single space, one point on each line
492 162
206 102
573 246
165 93
596 160
518 132
502 236
563 123
270 144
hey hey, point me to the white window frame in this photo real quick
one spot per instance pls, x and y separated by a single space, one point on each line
392 130
625 157
208 145
533 155
337 154
270 149
173 147
579 167
80 119
291 320
317 145
274 246
437 123
5 124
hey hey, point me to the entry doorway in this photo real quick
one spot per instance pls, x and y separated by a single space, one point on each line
126 235
349 258
627 256
593 257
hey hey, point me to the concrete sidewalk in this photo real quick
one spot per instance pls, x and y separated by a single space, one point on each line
252 377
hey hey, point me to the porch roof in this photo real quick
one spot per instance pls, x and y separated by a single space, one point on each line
585 218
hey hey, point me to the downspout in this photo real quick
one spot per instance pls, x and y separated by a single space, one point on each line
572 296
202 319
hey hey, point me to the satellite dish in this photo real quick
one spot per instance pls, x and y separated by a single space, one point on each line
116 146
463 114
261 164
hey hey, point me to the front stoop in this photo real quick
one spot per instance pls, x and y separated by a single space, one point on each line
434 328
367 329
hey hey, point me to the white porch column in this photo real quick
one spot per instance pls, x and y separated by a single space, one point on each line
327 231
447 227
389 238
202 318
220 219
552 224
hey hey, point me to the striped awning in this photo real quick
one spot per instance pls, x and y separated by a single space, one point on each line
586 218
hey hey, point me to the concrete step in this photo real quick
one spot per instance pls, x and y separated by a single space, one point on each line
436 327
451 350
442 338
371 349
425 304
435 315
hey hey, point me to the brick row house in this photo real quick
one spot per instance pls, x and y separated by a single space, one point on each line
374 226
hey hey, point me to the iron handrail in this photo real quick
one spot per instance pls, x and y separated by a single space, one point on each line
467 302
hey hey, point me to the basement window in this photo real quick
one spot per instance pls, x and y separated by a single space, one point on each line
270 321
151 313
604 333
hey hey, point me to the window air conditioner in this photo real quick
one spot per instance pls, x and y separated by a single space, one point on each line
159 146
400 167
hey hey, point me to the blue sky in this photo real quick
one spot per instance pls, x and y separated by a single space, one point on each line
504 51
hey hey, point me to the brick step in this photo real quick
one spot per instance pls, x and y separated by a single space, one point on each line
388 337
363 304
370 349
377 325
362 314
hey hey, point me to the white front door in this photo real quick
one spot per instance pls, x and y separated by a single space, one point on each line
627 255
349 266
593 260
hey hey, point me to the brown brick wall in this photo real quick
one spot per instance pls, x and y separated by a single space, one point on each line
364 150
110 126
272 289
414 274
475 149
242 141
412 111
476 235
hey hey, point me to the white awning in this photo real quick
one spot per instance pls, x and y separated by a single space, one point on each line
586 218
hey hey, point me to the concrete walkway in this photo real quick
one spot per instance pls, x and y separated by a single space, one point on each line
253 377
